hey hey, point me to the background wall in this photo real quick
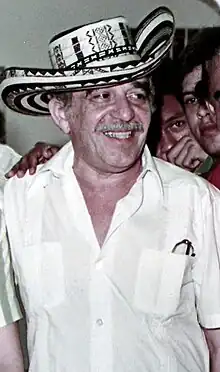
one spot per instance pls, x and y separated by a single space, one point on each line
27 25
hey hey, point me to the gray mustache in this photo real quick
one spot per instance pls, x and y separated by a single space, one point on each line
138 127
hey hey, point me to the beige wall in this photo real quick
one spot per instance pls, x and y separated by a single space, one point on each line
27 25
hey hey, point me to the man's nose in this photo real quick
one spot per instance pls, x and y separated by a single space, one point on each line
123 109
205 108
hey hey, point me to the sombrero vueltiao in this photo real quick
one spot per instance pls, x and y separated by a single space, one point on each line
95 55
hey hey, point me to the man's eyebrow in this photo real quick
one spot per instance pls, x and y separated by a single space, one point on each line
89 91
188 92
143 85
175 117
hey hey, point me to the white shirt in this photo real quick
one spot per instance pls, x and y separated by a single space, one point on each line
8 158
9 308
129 307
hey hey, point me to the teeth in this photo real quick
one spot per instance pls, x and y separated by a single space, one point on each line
120 135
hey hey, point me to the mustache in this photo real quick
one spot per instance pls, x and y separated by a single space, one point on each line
111 127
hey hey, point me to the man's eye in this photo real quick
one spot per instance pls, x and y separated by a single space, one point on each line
190 101
100 97
138 96
178 124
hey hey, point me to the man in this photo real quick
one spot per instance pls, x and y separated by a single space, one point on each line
116 253
200 116
176 143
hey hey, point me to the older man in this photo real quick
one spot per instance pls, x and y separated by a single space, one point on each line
116 253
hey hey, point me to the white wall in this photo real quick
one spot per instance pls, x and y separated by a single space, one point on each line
27 25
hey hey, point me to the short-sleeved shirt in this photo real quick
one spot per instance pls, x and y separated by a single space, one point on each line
9 308
136 304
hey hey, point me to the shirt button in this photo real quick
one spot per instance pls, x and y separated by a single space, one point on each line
99 322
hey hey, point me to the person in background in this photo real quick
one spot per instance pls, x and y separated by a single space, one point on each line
201 115
175 143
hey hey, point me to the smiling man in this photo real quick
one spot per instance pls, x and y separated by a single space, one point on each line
115 252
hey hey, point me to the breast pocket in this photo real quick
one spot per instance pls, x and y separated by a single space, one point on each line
159 281
41 275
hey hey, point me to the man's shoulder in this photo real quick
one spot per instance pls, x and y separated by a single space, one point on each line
58 164
173 176
25 182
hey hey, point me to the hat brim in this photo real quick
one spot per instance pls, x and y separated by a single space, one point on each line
26 90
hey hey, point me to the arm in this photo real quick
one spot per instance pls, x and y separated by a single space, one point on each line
213 341
11 359
39 154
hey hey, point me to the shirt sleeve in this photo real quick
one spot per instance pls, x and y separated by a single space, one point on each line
206 271
9 307
8 158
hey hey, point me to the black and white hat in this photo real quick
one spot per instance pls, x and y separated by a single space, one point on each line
95 55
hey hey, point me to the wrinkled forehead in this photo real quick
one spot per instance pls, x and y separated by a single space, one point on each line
191 79
171 108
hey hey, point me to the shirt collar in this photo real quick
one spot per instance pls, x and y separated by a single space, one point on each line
150 166
61 163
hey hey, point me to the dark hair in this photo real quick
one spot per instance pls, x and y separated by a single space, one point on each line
166 80
201 48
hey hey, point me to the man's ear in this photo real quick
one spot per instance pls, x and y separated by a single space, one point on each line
57 111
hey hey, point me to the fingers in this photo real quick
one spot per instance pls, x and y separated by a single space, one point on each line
12 171
39 154
177 153
49 151
27 163
187 153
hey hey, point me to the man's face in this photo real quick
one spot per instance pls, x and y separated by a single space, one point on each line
173 125
213 68
201 120
108 126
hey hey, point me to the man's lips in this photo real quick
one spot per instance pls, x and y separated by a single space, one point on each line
208 128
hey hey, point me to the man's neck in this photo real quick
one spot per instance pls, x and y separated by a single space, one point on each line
102 191
97 180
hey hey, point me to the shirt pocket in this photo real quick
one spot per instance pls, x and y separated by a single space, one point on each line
160 277
41 275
